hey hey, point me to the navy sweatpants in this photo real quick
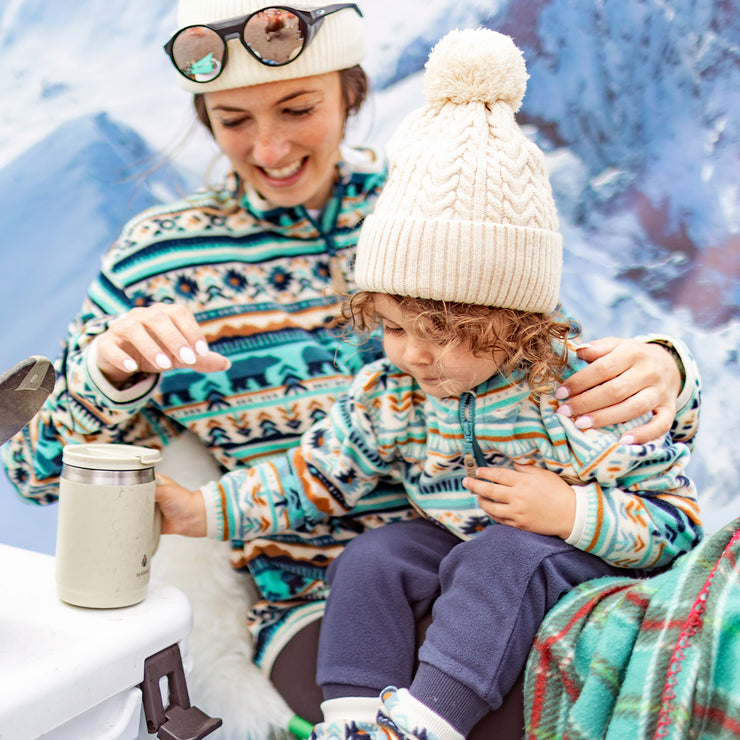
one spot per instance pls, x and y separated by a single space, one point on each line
489 596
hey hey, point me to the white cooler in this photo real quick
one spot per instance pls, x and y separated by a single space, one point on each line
69 673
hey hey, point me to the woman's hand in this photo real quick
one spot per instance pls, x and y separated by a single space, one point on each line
183 510
528 497
625 379
154 339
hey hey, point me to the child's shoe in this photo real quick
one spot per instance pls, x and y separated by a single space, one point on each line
349 730
406 718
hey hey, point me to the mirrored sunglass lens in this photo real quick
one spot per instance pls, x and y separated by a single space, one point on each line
198 53
274 35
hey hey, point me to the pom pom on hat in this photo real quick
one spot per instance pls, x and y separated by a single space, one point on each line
476 66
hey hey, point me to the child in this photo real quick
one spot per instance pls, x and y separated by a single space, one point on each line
460 265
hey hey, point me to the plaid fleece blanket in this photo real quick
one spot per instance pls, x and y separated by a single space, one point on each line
654 658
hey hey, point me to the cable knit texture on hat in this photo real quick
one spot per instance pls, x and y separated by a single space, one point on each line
467 214
339 44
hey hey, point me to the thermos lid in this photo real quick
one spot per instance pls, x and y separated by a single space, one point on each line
110 457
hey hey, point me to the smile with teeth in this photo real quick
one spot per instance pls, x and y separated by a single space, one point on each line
283 173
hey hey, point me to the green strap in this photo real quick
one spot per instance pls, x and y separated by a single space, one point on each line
300 727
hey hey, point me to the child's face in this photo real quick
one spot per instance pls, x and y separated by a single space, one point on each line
440 369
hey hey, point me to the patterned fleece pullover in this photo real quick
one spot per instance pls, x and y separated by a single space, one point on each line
635 505
258 280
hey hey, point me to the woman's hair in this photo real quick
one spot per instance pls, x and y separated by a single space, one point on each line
532 343
353 81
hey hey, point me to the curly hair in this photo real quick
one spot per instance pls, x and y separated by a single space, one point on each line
530 343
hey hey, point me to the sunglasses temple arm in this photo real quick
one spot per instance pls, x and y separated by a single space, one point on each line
330 9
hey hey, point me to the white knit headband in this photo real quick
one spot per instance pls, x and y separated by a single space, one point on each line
339 44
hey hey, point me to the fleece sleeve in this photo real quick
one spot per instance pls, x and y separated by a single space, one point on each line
337 465
636 507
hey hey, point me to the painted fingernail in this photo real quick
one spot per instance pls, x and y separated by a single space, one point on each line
130 366
565 410
584 422
161 360
201 348
187 356
561 393
627 439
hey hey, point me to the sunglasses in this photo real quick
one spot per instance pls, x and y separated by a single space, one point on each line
274 36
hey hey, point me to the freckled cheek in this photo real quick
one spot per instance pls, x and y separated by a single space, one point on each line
234 147
324 136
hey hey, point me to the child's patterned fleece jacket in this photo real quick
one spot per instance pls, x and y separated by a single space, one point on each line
635 505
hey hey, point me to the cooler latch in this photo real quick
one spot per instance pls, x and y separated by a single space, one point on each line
178 721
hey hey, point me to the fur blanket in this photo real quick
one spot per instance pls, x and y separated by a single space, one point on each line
222 679
656 658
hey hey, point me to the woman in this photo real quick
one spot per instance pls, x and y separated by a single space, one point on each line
210 314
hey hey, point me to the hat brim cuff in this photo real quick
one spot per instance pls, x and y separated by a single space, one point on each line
461 261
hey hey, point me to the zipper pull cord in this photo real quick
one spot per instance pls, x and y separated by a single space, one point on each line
338 278
471 466
466 423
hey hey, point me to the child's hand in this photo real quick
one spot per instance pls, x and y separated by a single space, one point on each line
528 497
183 511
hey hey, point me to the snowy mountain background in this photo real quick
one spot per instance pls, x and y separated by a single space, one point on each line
635 102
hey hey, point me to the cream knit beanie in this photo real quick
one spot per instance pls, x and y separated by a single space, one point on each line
339 43
467 214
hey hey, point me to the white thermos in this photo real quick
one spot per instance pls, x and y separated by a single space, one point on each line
108 526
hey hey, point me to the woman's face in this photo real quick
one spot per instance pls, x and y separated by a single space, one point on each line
282 137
